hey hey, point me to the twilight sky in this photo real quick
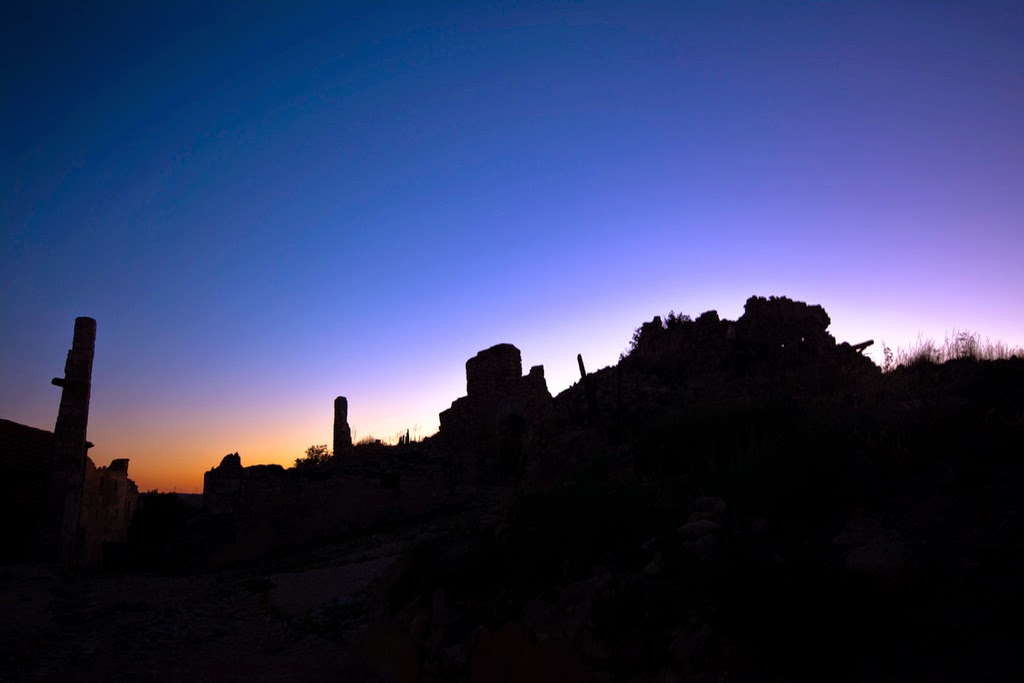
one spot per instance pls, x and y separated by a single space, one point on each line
266 206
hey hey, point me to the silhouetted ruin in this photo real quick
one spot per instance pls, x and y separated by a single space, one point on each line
61 508
733 500
109 500
222 485
494 428
342 433
59 524
508 428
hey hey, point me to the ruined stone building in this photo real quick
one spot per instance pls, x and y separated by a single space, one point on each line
494 428
26 454
490 434
229 487
57 506
342 433
509 429
267 508
109 499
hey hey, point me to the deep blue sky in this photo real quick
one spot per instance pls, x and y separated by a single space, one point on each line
266 206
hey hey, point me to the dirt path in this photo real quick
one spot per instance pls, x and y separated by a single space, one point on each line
290 618
211 627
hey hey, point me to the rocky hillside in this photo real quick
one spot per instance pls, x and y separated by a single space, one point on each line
734 501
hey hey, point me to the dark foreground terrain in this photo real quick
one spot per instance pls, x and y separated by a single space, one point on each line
784 521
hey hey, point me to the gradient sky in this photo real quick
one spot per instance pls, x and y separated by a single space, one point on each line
266 206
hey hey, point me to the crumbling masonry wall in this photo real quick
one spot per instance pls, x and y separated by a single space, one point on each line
109 499
494 428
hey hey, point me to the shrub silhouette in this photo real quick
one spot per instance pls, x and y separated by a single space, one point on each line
316 455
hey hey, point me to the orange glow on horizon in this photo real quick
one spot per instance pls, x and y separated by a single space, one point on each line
165 459
175 443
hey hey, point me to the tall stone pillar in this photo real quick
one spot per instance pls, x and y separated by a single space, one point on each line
57 537
342 434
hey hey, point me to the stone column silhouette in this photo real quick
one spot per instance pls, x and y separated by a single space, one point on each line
342 434
57 537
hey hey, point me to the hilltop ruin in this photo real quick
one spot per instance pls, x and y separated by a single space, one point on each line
494 428
741 500
508 428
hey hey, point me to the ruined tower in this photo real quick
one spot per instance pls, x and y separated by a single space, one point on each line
342 434
56 538
492 427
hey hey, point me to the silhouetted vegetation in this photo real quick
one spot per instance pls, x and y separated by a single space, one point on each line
958 346
316 455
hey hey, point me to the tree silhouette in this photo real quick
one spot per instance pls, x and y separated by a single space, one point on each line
315 455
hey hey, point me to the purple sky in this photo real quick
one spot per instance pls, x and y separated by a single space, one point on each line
266 207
